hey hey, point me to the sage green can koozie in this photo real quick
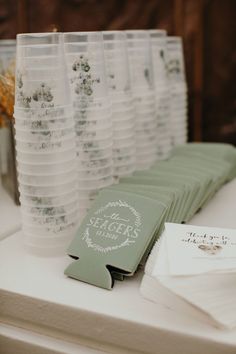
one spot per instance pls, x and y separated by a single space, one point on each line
114 237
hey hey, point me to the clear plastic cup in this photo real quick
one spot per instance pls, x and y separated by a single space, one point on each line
96 183
37 39
56 74
38 136
95 173
94 145
60 219
95 136
88 193
124 151
94 155
43 191
51 180
50 211
128 124
46 157
123 170
49 201
28 124
124 133
123 142
47 168
124 159
50 230
88 105
47 146
94 164
47 113
38 50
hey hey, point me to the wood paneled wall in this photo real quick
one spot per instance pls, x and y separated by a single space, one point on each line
207 27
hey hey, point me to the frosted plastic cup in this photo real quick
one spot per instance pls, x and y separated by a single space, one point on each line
46 169
44 135
125 159
123 142
123 117
95 136
37 39
136 35
98 90
28 124
54 157
124 151
99 115
82 37
143 125
57 73
124 133
123 124
45 146
85 203
49 201
93 126
122 105
49 211
54 99
51 83
93 146
146 156
146 133
26 51
96 183
51 180
94 155
129 146
47 230
146 97
94 164
56 220
146 142
148 118
94 174
82 103
42 62
119 96
125 169
48 191
88 193
38 94
51 113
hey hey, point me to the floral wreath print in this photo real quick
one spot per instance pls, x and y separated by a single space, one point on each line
41 97
119 203
83 80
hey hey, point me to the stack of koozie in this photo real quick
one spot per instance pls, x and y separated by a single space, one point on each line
127 218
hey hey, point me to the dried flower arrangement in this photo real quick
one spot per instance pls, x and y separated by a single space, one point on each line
7 93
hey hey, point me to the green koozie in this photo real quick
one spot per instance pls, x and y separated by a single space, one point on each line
114 236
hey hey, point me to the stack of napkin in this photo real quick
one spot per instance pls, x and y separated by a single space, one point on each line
192 269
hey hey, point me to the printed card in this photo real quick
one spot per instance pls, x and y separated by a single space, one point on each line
199 249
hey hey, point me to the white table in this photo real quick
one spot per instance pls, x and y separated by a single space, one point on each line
44 312
10 220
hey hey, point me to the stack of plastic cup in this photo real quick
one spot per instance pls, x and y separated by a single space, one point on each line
92 114
140 63
160 75
7 53
45 144
178 91
123 113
